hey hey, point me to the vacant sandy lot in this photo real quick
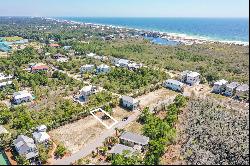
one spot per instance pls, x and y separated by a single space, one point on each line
76 135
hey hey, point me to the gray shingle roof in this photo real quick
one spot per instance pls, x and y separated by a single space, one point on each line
136 138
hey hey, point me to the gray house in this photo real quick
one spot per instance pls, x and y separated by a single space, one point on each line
132 139
130 102
231 88
242 90
26 147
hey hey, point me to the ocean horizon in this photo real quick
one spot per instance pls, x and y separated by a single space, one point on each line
216 29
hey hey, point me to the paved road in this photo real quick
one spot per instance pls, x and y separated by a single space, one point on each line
97 142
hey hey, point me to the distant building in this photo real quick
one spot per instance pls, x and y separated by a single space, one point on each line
26 147
86 91
87 68
132 139
219 86
130 103
91 55
21 96
102 69
231 88
54 45
39 67
242 90
191 78
40 134
5 80
67 47
174 85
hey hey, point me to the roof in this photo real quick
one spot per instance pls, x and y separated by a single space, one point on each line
136 138
119 149
175 82
193 74
3 130
129 99
221 82
103 66
41 128
40 136
185 72
243 87
3 76
26 146
233 85
54 45
21 94
86 88
91 54
123 61
39 66
87 66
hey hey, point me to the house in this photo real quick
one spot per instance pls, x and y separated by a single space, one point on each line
134 66
242 90
87 68
26 147
54 45
91 55
39 67
21 96
132 139
102 69
114 60
231 88
130 102
123 63
174 85
5 80
219 86
67 47
120 149
86 91
191 78
40 134
58 55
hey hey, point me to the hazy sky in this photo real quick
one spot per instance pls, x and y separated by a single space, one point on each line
126 8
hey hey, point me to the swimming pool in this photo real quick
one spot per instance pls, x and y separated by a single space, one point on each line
3 159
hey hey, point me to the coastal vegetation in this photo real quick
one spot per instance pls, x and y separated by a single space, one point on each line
214 135
124 81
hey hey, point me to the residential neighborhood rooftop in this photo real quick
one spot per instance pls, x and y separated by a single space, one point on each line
243 87
129 99
119 149
143 140
232 85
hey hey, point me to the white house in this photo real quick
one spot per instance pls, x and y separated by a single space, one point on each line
102 69
174 85
231 88
123 63
40 134
132 139
21 96
191 78
25 146
242 90
91 55
219 86
5 79
87 68
86 91
130 102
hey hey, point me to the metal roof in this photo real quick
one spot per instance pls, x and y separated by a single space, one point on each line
136 138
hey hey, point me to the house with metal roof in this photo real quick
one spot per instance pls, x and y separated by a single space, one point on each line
102 69
190 77
26 147
132 139
242 90
129 102
231 88
174 85
219 86
21 96
87 68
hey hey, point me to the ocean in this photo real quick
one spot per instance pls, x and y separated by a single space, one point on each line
216 29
